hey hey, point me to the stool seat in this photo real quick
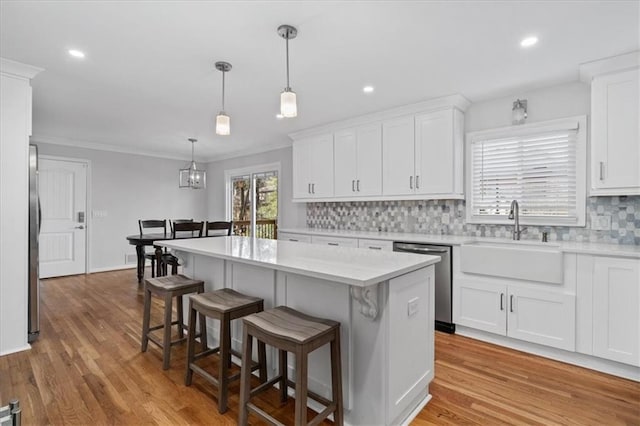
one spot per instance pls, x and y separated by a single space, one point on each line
222 301
172 282
285 323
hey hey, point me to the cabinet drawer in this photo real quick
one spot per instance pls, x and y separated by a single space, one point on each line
376 244
285 236
335 241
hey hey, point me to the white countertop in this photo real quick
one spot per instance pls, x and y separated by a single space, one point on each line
340 264
454 240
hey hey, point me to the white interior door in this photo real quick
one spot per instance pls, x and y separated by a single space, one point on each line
63 200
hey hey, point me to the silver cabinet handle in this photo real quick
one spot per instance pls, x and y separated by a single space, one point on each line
410 182
313 188
353 186
511 303
602 170
79 227
358 185
417 182
333 244
375 248
309 188
502 301
293 239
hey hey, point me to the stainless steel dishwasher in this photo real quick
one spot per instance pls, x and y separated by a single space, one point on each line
443 283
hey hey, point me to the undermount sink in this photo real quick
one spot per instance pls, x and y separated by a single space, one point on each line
524 260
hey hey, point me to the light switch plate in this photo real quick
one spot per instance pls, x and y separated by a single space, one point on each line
412 306
600 223
445 218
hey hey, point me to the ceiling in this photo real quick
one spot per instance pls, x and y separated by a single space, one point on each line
148 82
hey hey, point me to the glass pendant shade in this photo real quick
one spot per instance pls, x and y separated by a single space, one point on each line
223 124
288 104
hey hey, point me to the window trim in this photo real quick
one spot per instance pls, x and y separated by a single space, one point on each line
579 122
250 170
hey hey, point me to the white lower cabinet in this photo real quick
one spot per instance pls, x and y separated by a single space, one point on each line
334 241
298 238
609 308
524 313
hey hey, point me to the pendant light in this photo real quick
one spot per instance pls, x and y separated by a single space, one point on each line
288 105
223 122
192 177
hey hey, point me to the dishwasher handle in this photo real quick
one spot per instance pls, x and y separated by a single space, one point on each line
413 249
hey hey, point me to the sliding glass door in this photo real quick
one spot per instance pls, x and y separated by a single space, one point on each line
253 201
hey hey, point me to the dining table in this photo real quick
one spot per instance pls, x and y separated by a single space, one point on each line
147 240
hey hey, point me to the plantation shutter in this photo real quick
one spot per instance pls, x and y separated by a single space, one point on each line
538 170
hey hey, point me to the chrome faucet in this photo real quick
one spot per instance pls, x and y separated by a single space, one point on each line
514 214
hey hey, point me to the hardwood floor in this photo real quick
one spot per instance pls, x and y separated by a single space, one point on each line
87 368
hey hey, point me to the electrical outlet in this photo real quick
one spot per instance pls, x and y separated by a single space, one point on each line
600 223
445 218
413 306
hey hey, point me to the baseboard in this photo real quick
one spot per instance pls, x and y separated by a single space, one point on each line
14 350
111 268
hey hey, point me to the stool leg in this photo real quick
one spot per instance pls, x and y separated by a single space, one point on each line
166 348
153 267
180 316
301 387
146 318
203 332
336 379
191 343
262 360
223 366
245 376
283 376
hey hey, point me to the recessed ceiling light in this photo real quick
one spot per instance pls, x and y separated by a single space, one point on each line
76 53
368 89
279 116
529 41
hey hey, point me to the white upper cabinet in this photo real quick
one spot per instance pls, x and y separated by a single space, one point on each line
313 167
408 153
615 124
398 156
358 161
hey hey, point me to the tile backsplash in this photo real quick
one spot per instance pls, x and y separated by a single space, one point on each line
448 217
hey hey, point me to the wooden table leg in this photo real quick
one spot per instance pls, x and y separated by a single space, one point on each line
140 254
158 261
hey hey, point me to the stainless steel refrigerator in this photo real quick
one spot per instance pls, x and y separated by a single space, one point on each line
34 231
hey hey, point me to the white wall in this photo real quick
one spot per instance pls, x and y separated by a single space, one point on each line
291 214
129 187
15 126
543 104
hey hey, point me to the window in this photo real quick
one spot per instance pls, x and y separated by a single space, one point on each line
541 165
252 200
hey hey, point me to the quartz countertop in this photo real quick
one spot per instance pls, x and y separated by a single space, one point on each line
344 265
454 240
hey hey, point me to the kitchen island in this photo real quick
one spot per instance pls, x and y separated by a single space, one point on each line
384 302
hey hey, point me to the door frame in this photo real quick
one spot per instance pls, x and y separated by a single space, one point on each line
87 217
250 170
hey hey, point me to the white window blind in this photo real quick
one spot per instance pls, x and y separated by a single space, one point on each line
538 169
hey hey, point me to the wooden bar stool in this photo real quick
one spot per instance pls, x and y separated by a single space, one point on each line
291 331
225 305
167 288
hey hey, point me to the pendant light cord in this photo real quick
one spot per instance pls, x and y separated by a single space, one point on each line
287 39
223 73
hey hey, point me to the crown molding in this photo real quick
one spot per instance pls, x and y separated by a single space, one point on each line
452 101
590 70
18 69
55 140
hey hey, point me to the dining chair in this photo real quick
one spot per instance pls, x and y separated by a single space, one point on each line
178 230
218 228
153 226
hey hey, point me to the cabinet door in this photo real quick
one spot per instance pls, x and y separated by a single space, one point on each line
369 161
615 137
480 305
345 153
321 164
398 156
301 169
616 309
542 317
434 159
